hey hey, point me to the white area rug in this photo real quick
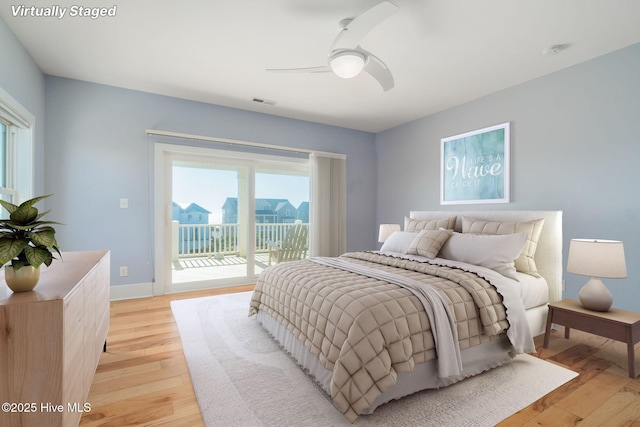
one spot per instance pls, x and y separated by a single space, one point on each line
242 378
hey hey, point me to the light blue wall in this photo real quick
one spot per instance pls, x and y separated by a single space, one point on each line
98 152
575 146
23 80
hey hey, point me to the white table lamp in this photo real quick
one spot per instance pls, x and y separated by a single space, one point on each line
596 258
386 230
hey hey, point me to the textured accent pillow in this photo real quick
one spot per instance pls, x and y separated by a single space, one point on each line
399 241
496 252
526 261
429 242
411 224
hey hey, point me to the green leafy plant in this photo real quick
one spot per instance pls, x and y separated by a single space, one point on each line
24 238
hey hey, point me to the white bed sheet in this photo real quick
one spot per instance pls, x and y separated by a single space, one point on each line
534 291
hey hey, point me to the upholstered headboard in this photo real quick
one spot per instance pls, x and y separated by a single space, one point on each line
548 256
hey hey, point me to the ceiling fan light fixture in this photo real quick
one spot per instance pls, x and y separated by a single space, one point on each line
347 64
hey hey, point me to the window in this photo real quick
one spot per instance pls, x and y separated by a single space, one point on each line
16 150
3 154
6 191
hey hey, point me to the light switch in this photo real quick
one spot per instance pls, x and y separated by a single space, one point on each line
124 203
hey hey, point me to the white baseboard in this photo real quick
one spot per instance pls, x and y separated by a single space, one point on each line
139 290
218 284
145 290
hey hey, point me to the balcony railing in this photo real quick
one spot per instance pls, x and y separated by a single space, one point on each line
218 240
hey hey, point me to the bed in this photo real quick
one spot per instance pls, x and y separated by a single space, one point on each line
453 294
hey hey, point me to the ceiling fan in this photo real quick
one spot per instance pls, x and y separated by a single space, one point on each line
347 58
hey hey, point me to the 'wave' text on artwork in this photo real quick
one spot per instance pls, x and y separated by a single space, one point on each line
473 169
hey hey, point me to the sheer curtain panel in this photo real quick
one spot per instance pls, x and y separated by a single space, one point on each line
328 205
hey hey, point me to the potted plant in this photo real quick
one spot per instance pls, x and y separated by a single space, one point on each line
27 242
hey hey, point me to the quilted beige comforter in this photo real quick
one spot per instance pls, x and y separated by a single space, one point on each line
365 330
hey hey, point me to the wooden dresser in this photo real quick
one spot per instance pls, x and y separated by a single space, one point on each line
51 339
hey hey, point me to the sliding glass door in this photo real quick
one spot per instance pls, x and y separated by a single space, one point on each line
281 215
206 244
226 216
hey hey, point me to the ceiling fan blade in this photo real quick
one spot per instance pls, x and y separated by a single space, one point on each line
354 31
319 69
379 71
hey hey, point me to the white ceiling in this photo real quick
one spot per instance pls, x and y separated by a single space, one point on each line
442 53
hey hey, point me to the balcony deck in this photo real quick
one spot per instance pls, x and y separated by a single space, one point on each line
196 248
207 268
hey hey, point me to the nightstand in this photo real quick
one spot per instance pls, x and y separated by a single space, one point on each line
617 324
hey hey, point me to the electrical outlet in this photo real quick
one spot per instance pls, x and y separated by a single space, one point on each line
124 203
124 271
564 285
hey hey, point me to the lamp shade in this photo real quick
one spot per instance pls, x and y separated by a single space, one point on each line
347 64
597 258
386 230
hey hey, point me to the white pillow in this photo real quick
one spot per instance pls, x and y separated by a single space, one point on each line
525 263
497 252
398 241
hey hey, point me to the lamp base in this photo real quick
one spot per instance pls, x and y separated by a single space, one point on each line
595 296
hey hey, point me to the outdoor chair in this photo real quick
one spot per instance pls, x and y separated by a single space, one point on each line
292 248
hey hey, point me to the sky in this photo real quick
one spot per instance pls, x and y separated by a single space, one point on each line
210 188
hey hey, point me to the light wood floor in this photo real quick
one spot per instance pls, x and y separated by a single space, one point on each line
142 379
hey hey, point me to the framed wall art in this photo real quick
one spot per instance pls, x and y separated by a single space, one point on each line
474 167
